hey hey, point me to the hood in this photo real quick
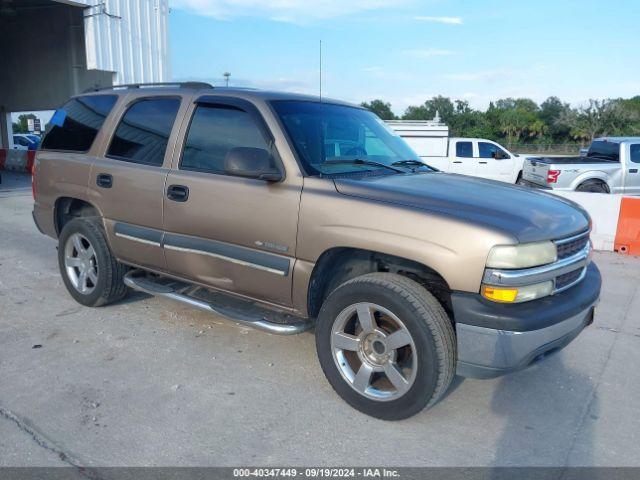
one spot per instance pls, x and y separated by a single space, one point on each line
529 215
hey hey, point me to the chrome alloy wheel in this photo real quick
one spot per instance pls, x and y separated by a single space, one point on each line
374 351
81 263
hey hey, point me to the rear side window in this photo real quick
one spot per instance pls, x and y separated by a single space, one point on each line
74 126
464 149
604 150
215 130
143 132
635 153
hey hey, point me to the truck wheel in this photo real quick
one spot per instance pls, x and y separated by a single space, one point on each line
89 270
386 345
593 186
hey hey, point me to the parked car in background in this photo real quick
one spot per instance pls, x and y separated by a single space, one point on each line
22 143
611 165
35 139
26 140
476 157
284 212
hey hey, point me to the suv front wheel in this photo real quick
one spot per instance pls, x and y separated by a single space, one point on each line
386 345
89 270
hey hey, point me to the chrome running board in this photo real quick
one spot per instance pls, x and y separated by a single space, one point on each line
257 318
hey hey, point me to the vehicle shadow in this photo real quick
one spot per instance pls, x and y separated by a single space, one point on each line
548 414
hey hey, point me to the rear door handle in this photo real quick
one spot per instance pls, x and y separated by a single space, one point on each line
178 193
104 180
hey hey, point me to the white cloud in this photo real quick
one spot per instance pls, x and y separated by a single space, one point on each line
293 11
429 52
445 20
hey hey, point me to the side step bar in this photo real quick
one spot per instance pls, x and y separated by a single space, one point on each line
138 281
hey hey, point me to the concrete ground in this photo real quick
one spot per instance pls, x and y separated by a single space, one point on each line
150 382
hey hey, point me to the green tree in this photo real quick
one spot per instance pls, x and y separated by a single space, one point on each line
21 125
427 111
380 108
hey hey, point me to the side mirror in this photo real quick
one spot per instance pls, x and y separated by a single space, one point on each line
498 155
251 162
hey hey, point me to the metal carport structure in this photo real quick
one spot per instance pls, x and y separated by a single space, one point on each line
53 49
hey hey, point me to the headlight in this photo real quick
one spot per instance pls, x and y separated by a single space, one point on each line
517 294
522 256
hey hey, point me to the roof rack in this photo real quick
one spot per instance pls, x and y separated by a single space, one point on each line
131 86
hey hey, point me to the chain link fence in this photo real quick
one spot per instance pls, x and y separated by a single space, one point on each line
568 149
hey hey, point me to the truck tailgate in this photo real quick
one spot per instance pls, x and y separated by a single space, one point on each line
535 171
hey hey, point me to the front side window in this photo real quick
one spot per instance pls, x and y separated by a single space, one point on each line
489 150
464 149
75 126
143 132
635 153
334 139
213 132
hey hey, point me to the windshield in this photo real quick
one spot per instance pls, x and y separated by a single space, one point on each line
333 139
605 150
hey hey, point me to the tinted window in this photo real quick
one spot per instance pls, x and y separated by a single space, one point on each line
144 130
464 149
74 126
21 141
635 153
487 150
605 151
213 132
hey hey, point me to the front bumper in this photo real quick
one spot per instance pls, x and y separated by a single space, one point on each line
495 339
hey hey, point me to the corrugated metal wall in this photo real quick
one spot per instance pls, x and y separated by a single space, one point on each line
129 38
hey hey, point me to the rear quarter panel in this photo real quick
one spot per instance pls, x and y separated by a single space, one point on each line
58 174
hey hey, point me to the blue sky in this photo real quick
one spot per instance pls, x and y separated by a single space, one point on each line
406 51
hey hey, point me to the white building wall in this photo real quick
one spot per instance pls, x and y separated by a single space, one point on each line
127 37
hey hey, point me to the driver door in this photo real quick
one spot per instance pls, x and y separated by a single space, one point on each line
231 233
494 163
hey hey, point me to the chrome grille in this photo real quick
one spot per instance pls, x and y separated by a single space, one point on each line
567 280
568 247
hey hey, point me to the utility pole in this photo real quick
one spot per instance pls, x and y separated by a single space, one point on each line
226 76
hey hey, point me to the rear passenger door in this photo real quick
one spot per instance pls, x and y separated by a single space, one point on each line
127 182
462 160
231 233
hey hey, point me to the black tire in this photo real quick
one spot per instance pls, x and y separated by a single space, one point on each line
428 324
519 179
595 186
109 286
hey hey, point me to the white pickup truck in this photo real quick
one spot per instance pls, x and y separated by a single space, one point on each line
611 165
475 157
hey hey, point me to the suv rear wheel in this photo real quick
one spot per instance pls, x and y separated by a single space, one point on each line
89 270
386 345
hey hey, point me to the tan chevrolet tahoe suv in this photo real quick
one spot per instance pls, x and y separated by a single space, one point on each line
286 213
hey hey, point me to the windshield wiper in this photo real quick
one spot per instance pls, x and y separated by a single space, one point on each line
417 163
359 161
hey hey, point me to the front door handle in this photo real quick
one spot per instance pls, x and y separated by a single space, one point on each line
178 193
457 161
633 170
483 163
104 180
